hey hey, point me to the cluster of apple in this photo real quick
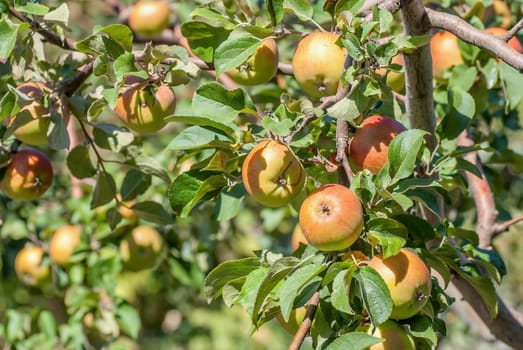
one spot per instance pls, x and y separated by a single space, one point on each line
140 248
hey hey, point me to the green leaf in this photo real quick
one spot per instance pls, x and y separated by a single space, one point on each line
419 229
104 190
112 40
340 290
345 109
354 49
234 51
390 243
275 9
8 34
375 294
463 77
58 136
353 341
228 271
228 202
295 282
203 38
212 100
301 8
79 162
112 137
195 137
128 320
59 15
153 212
227 128
514 84
190 187
31 8
423 327
276 273
462 102
213 16
47 323
134 183
403 152
123 65
248 293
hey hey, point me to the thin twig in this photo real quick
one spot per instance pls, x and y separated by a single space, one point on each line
305 326
512 31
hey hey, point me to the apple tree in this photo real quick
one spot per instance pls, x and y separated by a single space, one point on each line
338 170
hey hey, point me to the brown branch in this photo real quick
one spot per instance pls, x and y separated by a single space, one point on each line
512 31
472 35
504 226
305 326
53 38
506 326
418 72
482 195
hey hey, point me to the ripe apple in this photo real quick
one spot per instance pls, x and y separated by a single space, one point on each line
331 218
295 319
272 174
149 18
141 248
445 52
393 335
297 237
29 175
33 132
513 42
368 148
318 63
63 243
142 107
408 280
260 67
29 267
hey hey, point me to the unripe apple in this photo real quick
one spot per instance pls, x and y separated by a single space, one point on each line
408 280
63 243
445 52
141 248
272 174
318 63
331 218
260 68
395 80
142 107
28 176
33 132
295 320
368 148
394 337
513 42
149 18
29 267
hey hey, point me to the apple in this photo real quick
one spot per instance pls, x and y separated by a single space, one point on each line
445 52
331 218
272 174
297 237
318 63
29 266
408 280
63 243
149 18
395 80
141 248
513 42
393 335
260 68
295 320
142 107
368 148
33 132
28 176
